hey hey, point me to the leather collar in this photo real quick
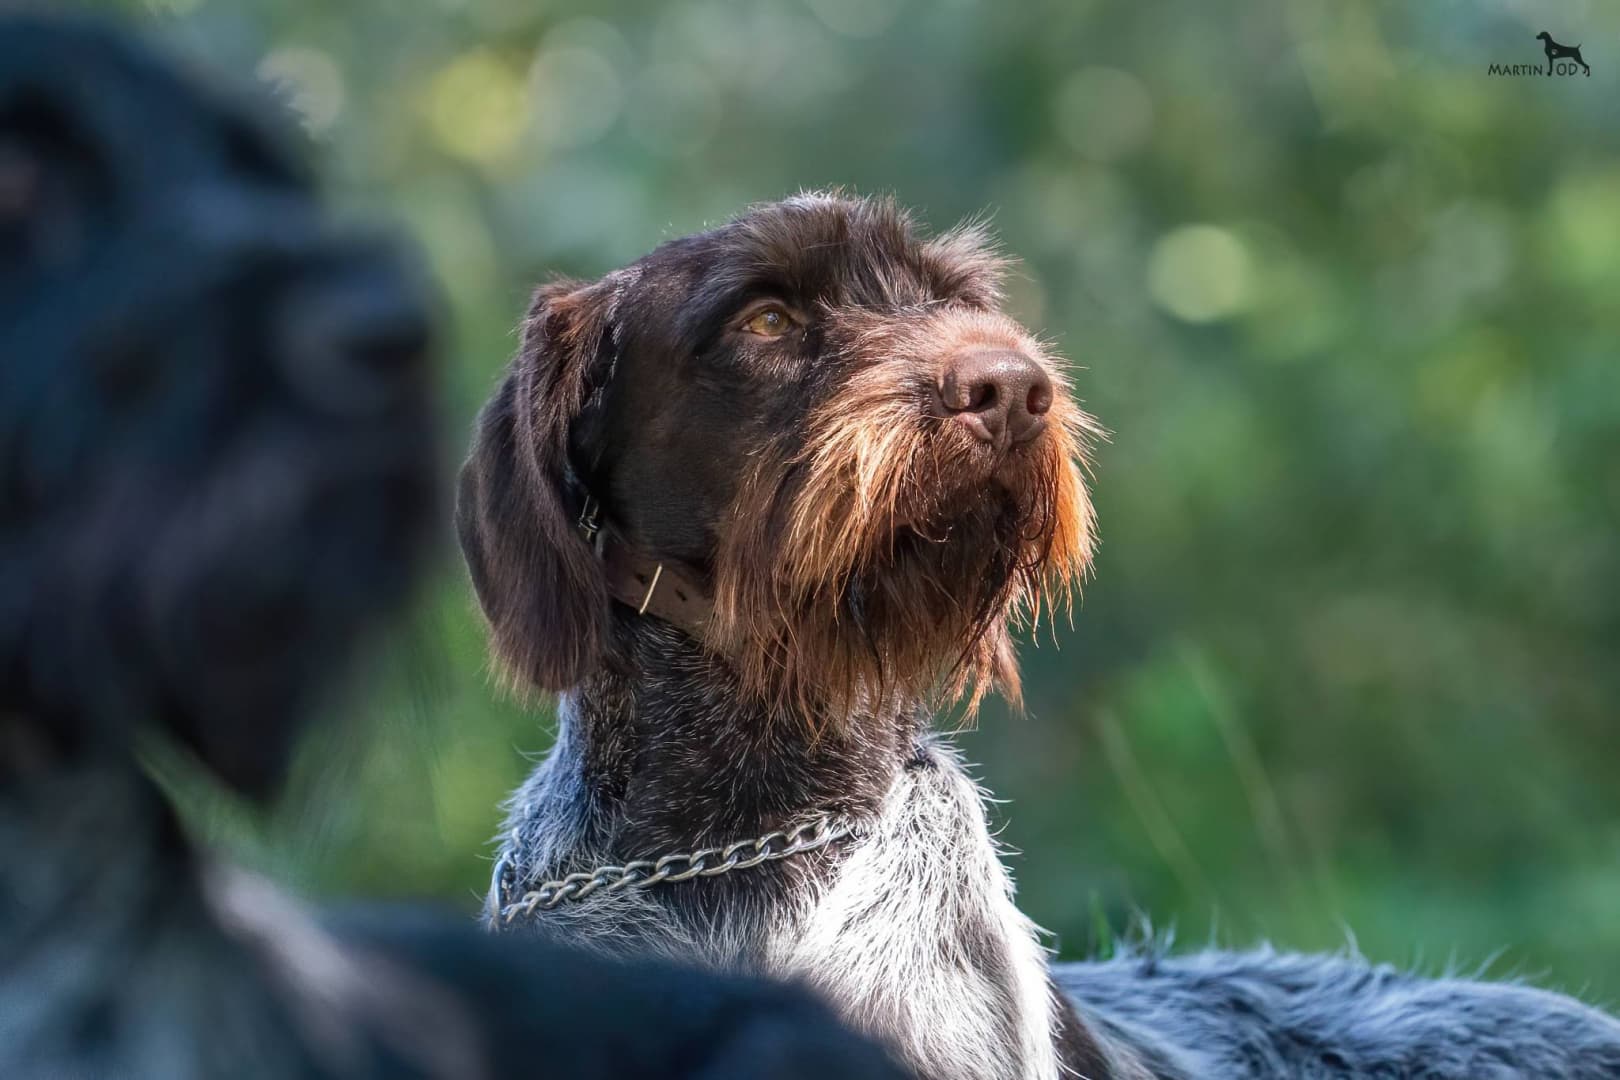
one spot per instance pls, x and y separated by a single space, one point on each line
636 579
653 587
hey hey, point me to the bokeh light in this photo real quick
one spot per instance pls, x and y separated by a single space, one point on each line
1200 273
311 82
477 107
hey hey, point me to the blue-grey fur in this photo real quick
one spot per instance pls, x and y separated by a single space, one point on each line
908 930
1265 1014
1258 1015
1252 1015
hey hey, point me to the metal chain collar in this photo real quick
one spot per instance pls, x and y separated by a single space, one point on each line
705 862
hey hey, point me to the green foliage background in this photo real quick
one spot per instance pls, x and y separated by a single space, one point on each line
1347 668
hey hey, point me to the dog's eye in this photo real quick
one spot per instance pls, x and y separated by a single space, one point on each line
770 322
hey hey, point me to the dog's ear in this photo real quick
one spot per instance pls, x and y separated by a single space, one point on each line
540 584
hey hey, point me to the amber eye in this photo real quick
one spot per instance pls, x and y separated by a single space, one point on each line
770 322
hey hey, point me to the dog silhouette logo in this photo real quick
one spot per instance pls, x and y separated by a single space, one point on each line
1556 52
1565 60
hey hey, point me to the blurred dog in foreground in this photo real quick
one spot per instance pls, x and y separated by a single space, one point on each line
748 504
216 474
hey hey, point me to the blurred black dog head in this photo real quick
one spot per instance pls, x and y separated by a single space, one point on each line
215 470
216 459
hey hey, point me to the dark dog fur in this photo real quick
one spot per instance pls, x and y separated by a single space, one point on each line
859 557
216 475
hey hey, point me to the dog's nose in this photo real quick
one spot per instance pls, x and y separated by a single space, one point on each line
999 395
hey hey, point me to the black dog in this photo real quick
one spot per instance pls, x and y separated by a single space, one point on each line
754 503
216 474
1556 51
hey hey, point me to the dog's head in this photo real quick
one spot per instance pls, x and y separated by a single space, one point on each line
824 420
215 438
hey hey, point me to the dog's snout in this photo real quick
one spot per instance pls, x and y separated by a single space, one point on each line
354 343
999 395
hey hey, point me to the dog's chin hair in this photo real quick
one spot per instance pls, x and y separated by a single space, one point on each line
876 575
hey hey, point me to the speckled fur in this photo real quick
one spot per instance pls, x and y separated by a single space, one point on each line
909 929
1265 1015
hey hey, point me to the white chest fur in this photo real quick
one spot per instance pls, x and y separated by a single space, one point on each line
914 938
917 939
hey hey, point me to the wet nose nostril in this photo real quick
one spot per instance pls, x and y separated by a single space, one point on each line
1039 402
966 392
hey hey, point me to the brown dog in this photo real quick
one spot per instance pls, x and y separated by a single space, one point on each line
791 415
753 503
750 501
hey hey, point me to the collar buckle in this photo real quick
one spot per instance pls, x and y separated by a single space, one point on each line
590 522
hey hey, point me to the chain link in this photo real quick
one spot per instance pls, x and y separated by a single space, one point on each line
705 862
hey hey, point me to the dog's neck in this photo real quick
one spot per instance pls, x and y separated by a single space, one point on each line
106 934
117 835
113 928
659 753
691 760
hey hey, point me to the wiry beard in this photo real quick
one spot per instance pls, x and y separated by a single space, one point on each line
888 559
